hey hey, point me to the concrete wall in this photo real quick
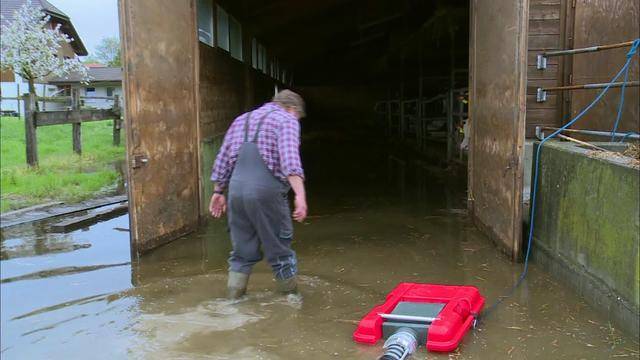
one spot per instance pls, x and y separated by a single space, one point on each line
587 228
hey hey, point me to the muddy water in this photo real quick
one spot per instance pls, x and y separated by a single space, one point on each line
376 219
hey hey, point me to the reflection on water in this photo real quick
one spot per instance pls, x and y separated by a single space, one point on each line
374 222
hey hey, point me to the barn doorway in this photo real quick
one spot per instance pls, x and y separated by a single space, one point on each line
403 72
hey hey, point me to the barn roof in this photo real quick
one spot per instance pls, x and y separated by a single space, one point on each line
98 74
9 7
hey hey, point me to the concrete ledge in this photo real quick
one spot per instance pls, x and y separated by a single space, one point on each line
596 293
587 227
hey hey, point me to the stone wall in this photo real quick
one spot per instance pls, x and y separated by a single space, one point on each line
587 228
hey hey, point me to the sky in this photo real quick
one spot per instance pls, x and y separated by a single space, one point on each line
93 19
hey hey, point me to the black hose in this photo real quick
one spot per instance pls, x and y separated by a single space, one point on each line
394 352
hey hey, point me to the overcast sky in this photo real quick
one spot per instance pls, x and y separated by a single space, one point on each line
94 19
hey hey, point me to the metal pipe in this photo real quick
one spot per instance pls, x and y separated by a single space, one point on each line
592 86
587 49
580 142
541 60
408 318
541 93
593 132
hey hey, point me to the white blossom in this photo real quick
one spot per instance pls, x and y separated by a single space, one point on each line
30 47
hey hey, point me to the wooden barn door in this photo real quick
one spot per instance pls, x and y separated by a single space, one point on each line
160 52
497 85
601 23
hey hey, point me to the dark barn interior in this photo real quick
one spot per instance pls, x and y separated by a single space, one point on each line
346 58
398 76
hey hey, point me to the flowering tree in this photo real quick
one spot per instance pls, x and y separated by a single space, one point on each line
30 48
108 51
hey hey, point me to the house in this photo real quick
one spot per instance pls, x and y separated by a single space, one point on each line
105 83
11 84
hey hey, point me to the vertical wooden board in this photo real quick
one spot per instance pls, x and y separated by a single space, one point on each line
601 22
497 111
545 33
160 59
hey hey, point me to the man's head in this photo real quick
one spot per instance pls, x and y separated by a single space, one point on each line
291 102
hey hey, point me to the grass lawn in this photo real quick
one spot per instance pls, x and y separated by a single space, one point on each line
62 175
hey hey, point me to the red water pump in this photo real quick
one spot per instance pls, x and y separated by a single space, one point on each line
416 314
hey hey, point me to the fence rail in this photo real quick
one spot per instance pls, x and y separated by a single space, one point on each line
45 118
424 119
74 116
59 99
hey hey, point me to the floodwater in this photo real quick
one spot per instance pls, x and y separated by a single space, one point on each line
377 219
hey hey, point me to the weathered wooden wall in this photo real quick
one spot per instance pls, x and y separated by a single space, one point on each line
497 97
227 88
222 90
547 19
568 24
161 114
599 22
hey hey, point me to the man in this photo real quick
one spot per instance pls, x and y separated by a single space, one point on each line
259 161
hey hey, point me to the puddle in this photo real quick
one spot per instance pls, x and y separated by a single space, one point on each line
375 221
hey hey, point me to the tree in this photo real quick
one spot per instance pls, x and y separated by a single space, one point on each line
91 60
108 51
30 48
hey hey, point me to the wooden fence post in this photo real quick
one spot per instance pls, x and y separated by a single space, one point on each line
30 129
18 100
77 137
44 97
117 121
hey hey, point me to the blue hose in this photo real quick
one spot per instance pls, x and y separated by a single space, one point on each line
534 191
632 51
627 135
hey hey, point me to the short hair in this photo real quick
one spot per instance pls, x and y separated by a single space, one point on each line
288 98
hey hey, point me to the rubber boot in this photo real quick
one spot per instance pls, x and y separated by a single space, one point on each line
237 284
287 286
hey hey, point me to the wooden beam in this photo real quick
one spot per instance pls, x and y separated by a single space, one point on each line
117 122
46 118
89 219
76 129
30 130
7 221
76 136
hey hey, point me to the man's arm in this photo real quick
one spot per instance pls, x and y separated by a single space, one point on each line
291 165
223 167
300 202
220 175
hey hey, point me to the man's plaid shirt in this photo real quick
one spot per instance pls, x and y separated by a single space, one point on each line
278 143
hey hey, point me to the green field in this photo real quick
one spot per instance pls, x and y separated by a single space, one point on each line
62 175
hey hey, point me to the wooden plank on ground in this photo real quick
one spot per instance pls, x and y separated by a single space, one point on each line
8 219
89 219
32 208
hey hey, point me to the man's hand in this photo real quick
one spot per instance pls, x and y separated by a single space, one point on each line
217 205
300 203
300 212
